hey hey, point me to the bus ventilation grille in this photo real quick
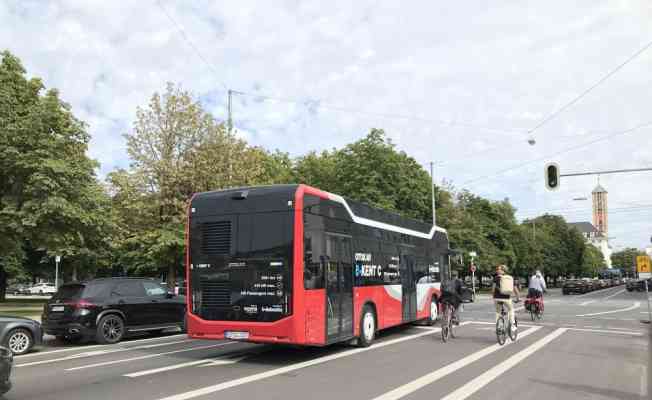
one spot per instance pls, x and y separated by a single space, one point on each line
216 238
215 294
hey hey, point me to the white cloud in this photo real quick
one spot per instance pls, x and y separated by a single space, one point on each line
504 66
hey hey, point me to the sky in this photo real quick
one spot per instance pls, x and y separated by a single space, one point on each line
457 84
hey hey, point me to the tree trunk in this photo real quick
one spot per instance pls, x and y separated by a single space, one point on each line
3 283
172 276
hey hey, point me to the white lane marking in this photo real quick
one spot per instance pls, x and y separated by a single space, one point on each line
207 361
100 353
614 295
643 388
278 371
124 360
486 378
218 362
595 292
634 307
632 333
45 353
440 373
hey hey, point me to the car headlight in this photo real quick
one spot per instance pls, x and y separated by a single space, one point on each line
83 312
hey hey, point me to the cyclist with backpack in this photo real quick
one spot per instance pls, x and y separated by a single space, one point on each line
503 289
452 294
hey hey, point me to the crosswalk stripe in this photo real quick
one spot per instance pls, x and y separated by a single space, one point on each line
278 371
434 376
486 378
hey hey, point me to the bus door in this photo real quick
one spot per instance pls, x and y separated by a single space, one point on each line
339 288
409 289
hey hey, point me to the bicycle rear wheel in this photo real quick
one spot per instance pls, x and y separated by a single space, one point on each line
501 331
445 324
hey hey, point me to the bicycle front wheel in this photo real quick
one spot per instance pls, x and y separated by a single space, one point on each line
501 331
512 329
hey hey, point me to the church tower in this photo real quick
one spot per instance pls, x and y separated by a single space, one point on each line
600 211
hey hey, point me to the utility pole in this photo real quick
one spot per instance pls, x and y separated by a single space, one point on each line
229 132
230 111
432 186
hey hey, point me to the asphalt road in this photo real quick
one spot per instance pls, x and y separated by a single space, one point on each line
586 347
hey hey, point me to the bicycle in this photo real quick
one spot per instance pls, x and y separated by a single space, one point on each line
535 307
504 329
447 322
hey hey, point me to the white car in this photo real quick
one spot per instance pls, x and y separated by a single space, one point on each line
43 288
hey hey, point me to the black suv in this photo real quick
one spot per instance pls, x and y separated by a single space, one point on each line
108 309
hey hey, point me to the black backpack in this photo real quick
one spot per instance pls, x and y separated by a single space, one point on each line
448 287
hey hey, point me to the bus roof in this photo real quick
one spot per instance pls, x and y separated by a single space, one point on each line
277 197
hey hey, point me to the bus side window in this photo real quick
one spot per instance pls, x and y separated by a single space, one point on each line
313 267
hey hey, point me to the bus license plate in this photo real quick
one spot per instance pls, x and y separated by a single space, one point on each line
236 335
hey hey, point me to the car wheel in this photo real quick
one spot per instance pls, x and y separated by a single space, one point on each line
110 329
367 327
19 341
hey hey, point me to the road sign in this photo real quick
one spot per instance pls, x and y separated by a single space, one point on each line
473 254
643 264
472 267
57 258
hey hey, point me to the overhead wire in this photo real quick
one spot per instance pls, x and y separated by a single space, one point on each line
189 42
558 153
590 88
319 103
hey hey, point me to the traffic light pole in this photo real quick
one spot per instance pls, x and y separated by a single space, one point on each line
649 310
616 171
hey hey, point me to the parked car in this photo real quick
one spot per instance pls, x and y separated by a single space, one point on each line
42 288
6 365
20 335
639 285
17 288
108 309
575 286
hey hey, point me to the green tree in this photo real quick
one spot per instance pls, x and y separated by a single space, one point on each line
49 194
625 258
177 149
592 261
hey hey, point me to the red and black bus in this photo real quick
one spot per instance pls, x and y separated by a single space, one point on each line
297 265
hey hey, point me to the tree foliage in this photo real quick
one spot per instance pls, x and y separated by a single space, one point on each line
625 258
50 199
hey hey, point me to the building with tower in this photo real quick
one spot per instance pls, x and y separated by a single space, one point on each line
598 233
600 210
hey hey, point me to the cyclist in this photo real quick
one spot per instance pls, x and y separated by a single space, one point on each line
501 297
452 294
537 286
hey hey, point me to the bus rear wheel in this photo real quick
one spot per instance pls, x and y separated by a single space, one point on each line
367 327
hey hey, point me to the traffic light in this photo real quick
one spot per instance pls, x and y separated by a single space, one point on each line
552 176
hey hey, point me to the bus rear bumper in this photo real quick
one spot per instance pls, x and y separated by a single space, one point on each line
281 332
